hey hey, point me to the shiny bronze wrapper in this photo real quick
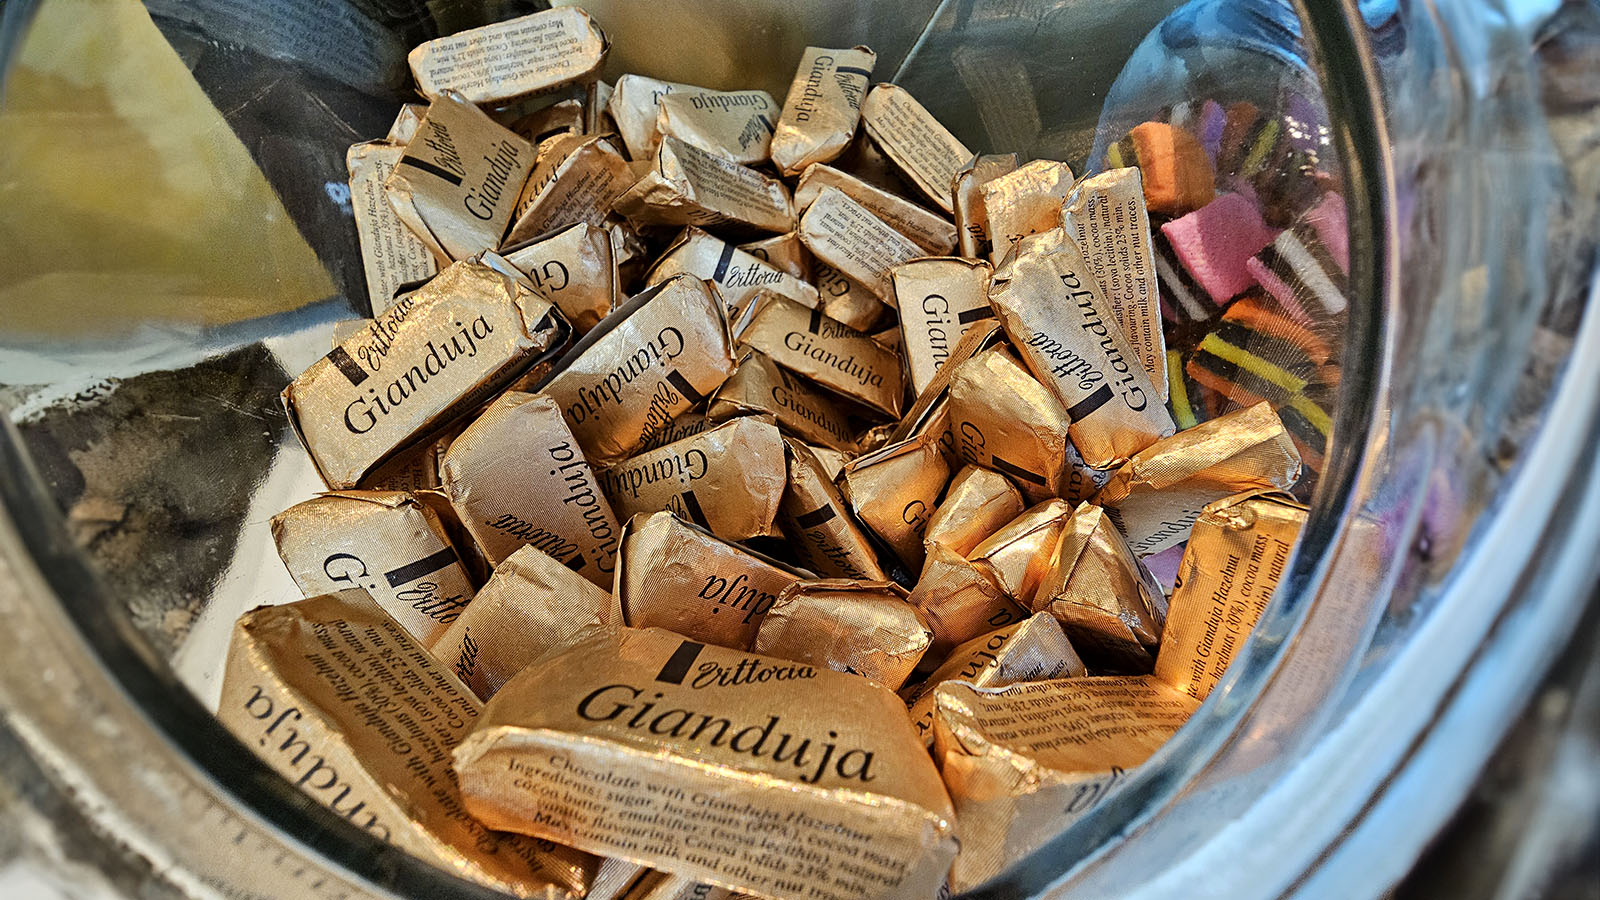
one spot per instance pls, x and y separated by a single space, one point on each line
738 275
1023 762
848 236
1052 309
473 561
832 461
406 123
388 543
935 426
844 300
341 701
978 502
555 120
391 255
1105 214
960 600
865 628
923 149
1156 496
890 337
822 108
438 353
688 186
1109 605
830 353
1023 202
728 480
663 352
1082 480
634 105
665 886
971 220
615 878
930 399
691 582
456 185
672 753
939 299
1021 552
932 232
736 125
517 477
892 491
1236 556
575 269
823 534
576 180
515 58
784 252
1002 418
687 425
531 605
760 386
1035 649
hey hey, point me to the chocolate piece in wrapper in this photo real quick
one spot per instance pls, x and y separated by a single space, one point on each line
634 105
1236 557
728 480
830 353
736 125
332 694
689 581
832 461
930 231
1050 305
576 179
517 477
760 386
1021 552
685 426
824 535
406 123
1083 481
511 59
1024 761
846 301
1105 215
436 354
823 107
615 878
386 542
390 254
456 184
960 600
1156 496
865 628
1024 202
738 275
892 491
1108 604
623 721
972 220
665 886
977 503
663 352
555 120
846 235
1035 649
688 186
784 252
924 150
939 299
575 269
1002 418
531 605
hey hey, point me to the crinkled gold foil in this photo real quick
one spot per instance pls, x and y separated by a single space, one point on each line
977 503
575 269
728 480
889 337
738 275
391 255
576 180
893 490
438 353
822 532
960 600
1156 496
844 300
939 300
736 125
663 352
531 605
688 757
971 220
1023 762
556 120
1236 557
829 353
342 702
928 230
1023 202
1109 605
688 186
687 425
406 123
615 878
932 398
832 461
511 59
823 107
848 236
1002 418
784 252
1082 481
865 628
923 149
759 386
664 886
1021 552
634 105
1066 332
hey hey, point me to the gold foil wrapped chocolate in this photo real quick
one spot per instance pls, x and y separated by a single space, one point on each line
760 386
438 353
843 300
980 337
682 755
1002 418
1023 762
823 534
1236 556
784 252
1021 552
1156 496
1023 202
848 236
978 502
691 582
576 180
406 122
511 59
738 275
728 480
829 353
1064 329
971 220
575 269
893 490
688 186
865 628
736 125
391 255
939 300
1109 605
930 231
832 461
823 107
634 105
654 885
960 600
557 119
924 150
343 703
687 425
531 605
663 352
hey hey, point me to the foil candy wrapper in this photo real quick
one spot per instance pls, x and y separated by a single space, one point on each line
925 152
1021 552
1024 202
406 122
848 236
830 353
738 275
511 59
932 232
784 252
939 300
892 491
634 105
576 178
575 269
391 255
865 628
689 186
978 502
971 219
845 300
736 125
960 599
759 386
822 108
1002 418
823 533
1111 608
686 425
561 118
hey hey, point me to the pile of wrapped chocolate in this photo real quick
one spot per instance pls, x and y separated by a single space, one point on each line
729 498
